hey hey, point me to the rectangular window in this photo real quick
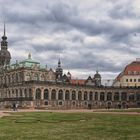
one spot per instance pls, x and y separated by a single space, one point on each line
129 72
134 80
130 80
138 80
126 80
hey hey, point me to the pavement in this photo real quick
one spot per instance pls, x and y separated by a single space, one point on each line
97 111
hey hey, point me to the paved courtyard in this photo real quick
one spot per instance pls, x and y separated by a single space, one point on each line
100 111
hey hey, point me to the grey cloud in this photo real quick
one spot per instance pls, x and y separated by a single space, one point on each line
29 19
122 10
56 48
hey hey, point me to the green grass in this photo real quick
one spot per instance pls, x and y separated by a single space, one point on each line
118 110
69 126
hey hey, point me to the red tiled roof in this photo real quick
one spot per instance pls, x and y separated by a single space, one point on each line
132 67
78 81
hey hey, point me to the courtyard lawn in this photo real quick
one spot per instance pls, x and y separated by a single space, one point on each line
69 126
118 110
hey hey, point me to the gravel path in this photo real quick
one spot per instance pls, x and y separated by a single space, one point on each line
6 112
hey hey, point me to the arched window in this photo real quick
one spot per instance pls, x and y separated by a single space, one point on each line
123 96
85 95
102 96
46 94
30 92
138 96
53 93
109 96
73 95
67 95
20 92
25 93
38 93
116 96
79 95
16 77
131 96
16 93
90 95
96 96
60 94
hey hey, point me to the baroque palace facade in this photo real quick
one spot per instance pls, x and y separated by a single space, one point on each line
32 85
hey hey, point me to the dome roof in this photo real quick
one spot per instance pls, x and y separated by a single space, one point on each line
5 54
97 75
131 69
134 66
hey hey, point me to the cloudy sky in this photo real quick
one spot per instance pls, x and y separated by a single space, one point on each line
86 34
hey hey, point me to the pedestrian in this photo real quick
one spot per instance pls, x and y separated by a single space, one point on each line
14 107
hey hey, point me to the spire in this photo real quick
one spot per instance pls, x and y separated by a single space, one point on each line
29 56
97 70
4 37
59 62
4 29
4 59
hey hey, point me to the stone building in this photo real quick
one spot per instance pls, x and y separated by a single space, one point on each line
32 85
130 76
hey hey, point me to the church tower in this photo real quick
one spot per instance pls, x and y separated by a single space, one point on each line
59 72
5 55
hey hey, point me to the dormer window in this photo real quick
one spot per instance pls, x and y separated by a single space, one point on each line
129 72
134 72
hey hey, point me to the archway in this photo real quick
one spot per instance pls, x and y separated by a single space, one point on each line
67 95
123 96
46 94
91 96
116 96
73 95
53 93
102 96
38 94
60 94
85 95
109 96
30 93
79 95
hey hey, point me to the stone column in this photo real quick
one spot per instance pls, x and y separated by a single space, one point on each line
82 95
98 96
76 95
127 96
93 96
135 96
23 94
88 96
64 95
70 95
119 96
105 96
49 94
56 94
33 92
113 96
42 93
33 95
